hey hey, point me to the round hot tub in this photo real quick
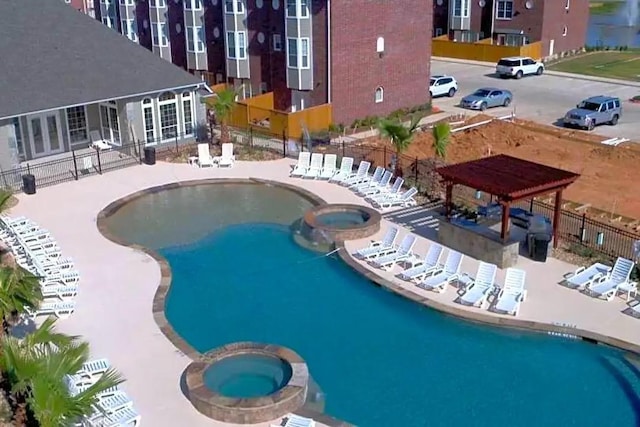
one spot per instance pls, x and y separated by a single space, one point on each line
324 225
247 383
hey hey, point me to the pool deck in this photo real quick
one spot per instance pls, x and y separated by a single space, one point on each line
114 305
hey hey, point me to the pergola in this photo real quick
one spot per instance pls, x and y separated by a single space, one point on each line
509 179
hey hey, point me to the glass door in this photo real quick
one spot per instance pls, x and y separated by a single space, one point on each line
109 122
45 134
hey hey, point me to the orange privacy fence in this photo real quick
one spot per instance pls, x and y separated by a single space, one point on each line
482 50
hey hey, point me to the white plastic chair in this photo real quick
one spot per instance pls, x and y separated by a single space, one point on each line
423 267
345 171
227 159
438 279
379 247
374 187
315 166
513 292
300 169
204 156
98 142
608 286
329 167
481 286
402 253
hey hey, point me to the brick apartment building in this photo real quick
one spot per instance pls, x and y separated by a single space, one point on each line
561 25
365 57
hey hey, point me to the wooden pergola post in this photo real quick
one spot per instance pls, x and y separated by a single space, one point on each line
449 199
504 231
557 210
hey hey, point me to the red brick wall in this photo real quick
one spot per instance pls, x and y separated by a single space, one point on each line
556 17
527 20
356 68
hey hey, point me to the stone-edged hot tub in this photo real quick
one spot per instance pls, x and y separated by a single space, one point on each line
326 224
247 383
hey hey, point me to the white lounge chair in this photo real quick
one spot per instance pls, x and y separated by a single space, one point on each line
345 171
123 417
421 268
386 191
608 286
402 253
91 371
374 187
329 167
60 309
227 158
315 166
76 385
367 180
379 247
300 169
71 277
512 293
438 279
386 201
62 292
114 402
358 176
204 156
584 276
98 142
481 286
293 420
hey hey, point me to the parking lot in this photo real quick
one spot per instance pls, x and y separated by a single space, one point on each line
544 99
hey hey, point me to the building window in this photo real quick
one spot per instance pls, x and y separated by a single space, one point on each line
168 112
298 53
187 113
127 2
157 3
565 30
236 45
297 9
379 94
159 34
504 9
461 8
149 122
129 29
195 39
193 4
380 45
77 125
277 42
233 6
108 21
18 131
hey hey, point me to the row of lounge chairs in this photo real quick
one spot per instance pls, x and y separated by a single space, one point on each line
113 408
226 159
376 188
430 273
36 251
603 281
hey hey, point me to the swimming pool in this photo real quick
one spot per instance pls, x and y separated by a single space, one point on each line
380 359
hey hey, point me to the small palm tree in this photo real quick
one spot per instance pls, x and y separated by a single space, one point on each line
223 104
20 292
5 200
400 135
441 133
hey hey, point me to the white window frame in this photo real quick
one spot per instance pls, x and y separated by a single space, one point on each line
127 2
166 102
110 106
148 104
301 9
502 14
277 42
237 7
127 29
465 6
159 30
197 44
70 130
378 96
108 21
157 3
184 98
289 56
300 43
193 4
239 44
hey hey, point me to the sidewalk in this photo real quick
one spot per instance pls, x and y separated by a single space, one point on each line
549 72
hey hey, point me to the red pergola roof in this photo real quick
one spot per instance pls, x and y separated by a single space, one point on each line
507 177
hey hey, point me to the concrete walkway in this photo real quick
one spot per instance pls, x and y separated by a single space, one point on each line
114 306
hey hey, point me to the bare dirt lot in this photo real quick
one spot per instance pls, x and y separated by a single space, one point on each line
609 175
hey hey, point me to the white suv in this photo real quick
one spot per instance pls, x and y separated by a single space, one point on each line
518 66
442 85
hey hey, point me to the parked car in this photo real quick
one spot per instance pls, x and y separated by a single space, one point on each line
518 66
594 111
487 97
442 85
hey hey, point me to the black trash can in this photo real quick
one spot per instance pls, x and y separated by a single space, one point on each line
150 155
540 247
29 184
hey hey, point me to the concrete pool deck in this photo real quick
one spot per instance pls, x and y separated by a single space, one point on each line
114 305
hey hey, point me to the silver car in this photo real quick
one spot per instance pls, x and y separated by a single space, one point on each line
594 111
487 97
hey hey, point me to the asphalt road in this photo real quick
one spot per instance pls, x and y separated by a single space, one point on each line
544 99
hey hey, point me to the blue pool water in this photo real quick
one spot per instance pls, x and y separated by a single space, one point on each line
381 360
341 219
247 375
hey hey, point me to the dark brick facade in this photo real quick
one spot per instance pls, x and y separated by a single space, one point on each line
403 69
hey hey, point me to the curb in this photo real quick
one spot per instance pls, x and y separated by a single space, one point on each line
549 72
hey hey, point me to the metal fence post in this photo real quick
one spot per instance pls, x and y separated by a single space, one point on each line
99 161
582 228
75 164
531 205
343 148
176 142
139 152
284 144
416 172
250 137
385 157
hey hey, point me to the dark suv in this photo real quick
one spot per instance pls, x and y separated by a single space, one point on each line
594 111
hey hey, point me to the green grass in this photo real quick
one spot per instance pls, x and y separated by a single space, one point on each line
613 65
604 7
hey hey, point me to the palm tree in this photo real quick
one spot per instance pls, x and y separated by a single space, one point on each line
223 104
20 292
400 136
441 133
36 368
5 200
